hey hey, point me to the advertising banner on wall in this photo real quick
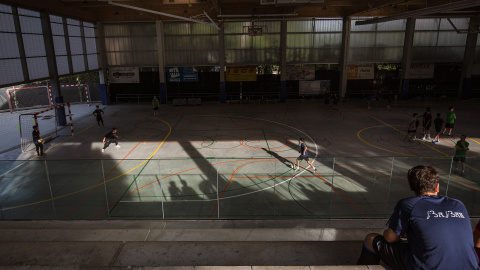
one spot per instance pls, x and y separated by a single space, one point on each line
421 71
124 75
241 74
182 74
309 88
300 73
361 72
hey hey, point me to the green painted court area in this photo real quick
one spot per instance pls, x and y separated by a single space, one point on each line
234 161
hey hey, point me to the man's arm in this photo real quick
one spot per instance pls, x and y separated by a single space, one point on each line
390 236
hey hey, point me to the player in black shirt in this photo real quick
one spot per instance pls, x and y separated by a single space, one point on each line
98 113
37 141
109 138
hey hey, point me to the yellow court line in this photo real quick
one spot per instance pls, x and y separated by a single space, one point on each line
419 141
473 140
77 133
360 138
48 149
403 133
99 184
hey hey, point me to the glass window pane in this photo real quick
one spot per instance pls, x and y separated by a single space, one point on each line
34 45
37 67
30 25
6 23
8 45
11 70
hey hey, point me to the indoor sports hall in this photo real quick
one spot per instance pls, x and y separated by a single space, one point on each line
234 161
137 134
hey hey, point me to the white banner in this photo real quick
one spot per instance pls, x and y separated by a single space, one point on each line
300 73
306 88
124 75
421 71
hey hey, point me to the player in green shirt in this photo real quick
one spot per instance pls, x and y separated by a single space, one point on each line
450 121
461 153
155 105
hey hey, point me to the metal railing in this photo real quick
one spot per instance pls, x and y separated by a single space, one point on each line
221 188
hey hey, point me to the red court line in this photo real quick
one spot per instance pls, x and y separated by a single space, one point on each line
221 195
113 203
285 114
225 188
228 115
431 162
336 190
93 189
255 148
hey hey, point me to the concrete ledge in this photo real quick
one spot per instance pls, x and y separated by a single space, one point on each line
180 235
340 267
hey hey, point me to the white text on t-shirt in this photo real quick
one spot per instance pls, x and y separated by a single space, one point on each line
446 214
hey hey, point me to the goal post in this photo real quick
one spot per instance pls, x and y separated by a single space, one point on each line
48 125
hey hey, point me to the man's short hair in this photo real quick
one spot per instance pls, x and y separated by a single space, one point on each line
414 114
423 179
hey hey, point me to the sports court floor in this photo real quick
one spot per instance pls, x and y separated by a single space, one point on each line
233 161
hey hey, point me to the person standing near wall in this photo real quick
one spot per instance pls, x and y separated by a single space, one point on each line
155 105
37 141
98 113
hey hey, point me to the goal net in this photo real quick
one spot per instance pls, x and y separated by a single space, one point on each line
51 123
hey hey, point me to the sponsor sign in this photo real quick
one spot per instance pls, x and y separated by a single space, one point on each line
300 73
182 74
124 75
361 72
308 88
421 71
241 74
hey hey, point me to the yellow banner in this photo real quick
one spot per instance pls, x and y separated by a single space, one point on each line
241 74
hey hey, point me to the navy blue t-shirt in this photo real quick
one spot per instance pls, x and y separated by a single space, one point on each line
438 231
302 149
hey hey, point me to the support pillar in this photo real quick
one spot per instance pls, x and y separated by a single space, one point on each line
103 65
468 57
21 47
283 61
407 58
346 26
221 60
51 60
162 95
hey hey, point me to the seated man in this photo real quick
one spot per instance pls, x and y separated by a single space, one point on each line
437 228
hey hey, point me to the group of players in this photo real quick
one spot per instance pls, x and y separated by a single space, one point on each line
461 147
